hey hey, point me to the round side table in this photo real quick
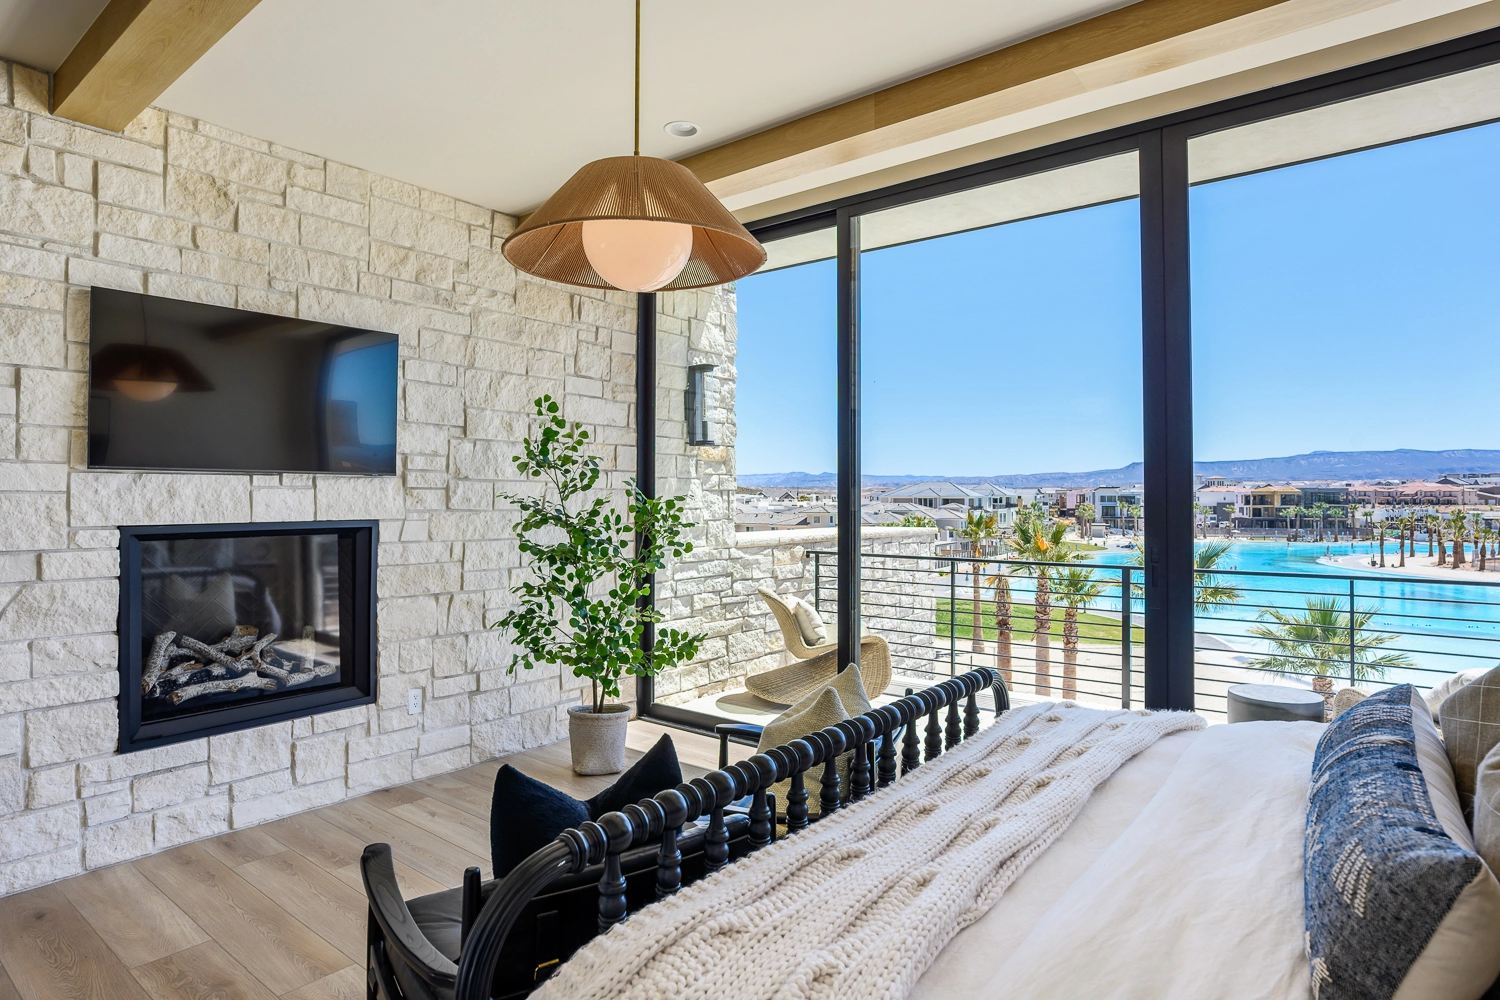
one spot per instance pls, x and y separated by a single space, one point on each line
1274 703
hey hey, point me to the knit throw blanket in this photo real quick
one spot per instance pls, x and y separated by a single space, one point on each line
858 905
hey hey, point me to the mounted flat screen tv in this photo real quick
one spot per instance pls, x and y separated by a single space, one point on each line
183 386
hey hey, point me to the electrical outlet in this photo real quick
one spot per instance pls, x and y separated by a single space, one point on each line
414 701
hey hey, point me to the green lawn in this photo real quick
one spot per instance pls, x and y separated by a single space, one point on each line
1091 628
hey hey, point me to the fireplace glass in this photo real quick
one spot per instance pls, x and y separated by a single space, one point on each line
234 619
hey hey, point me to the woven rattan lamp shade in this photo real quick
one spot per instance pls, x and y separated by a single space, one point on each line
550 243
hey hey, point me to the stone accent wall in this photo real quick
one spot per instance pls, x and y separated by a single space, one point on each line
181 208
715 591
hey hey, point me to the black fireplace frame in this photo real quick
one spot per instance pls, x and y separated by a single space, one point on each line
357 641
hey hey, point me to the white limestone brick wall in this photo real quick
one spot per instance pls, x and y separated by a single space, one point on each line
714 591
181 208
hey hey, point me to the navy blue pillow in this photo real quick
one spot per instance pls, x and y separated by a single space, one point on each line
1379 872
656 771
526 814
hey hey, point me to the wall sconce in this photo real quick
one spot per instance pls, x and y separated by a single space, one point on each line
698 430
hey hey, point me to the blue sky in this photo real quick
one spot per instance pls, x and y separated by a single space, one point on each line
1342 304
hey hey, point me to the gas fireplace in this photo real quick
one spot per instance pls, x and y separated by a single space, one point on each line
224 627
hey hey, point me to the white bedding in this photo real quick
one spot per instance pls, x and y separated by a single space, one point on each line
1113 807
1182 878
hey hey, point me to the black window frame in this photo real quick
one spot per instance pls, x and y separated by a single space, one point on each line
1166 332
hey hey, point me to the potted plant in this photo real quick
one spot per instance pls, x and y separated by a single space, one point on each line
589 601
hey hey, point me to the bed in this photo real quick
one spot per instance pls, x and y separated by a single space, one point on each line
1180 874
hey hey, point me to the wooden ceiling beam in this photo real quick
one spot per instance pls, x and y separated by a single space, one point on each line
1126 29
133 51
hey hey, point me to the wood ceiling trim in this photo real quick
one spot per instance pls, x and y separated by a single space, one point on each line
133 51
1129 28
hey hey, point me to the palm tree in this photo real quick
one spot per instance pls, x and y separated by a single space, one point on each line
1431 522
1209 590
980 526
1001 582
1133 511
1042 542
1320 511
1085 518
1458 523
1201 511
1380 533
1403 524
1076 588
1318 640
1481 541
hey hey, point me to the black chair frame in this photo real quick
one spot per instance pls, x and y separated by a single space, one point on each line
654 826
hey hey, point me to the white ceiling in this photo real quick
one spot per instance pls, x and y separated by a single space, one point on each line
41 33
497 101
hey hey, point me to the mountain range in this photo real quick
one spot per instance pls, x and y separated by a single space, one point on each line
1401 463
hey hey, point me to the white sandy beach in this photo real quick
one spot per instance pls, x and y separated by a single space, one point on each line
1420 565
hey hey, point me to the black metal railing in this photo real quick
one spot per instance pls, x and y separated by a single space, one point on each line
927 608
1322 630
1333 630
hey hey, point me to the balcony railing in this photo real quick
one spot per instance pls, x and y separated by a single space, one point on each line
1313 629
1333 630
925 607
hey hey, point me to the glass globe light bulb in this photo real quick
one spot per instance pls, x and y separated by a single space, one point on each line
637 255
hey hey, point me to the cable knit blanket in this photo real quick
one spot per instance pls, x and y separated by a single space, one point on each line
858 905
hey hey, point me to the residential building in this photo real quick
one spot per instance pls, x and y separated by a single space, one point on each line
978 496
1267 506
1113 505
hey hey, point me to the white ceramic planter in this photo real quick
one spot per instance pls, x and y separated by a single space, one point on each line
598 738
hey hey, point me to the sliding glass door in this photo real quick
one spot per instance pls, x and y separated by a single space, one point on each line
758 463
1344 263
1001 435
1136 417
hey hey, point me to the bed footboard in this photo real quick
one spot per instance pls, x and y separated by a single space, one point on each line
951 714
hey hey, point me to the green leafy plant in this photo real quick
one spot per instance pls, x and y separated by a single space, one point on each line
588 605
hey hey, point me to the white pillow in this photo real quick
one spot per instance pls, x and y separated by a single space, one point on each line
809 622
1432 758
1465 948
1439 694
1487 809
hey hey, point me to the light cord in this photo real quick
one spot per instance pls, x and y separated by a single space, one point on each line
637 77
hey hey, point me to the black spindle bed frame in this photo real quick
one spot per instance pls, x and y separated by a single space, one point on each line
649 850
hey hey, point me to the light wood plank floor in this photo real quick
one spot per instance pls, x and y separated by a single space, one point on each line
275 910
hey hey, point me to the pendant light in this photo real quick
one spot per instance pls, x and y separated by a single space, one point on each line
636 223
144 373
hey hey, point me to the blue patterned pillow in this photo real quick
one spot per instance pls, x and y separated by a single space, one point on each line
1380 873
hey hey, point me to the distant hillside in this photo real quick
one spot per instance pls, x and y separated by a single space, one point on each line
1403 463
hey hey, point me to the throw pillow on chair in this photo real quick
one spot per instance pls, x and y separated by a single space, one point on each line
527 814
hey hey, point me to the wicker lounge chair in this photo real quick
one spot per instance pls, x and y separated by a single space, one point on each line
817 664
